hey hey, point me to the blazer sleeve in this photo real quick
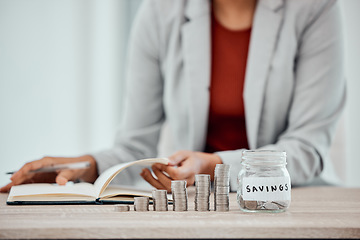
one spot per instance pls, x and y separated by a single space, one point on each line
143 113
318 99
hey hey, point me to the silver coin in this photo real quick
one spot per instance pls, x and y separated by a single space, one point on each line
282 204
222 190
251 205
222 180
200 185
271 206
221 187
174 193
207 182
159 193
222 208
180 197
141 204
141 199
121 208
160 208
202 197
202 209
222 166
202 194
200 204
222 183
141 208
179 194
178 209
178 183
178 186
202 177
221 197
160 203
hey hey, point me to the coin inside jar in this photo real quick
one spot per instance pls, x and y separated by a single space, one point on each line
264 184
252 205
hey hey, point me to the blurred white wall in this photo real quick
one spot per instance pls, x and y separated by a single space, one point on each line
351 17
61 79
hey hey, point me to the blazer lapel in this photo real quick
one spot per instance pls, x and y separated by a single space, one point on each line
267 20
196 40
197 60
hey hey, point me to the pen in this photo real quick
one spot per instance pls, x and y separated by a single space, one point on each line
77 165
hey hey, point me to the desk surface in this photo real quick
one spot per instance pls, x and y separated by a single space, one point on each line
316 212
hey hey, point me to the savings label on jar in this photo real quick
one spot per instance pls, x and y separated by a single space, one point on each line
266 189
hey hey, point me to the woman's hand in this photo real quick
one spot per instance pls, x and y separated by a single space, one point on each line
183 166
24 174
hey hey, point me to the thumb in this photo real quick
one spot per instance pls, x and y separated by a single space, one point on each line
178 157
64 176
6 188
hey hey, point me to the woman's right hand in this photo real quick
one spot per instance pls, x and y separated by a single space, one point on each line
61 177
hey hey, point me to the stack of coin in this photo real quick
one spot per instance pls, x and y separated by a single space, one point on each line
121 208
179 195
160 201
141 204
221 187
202 196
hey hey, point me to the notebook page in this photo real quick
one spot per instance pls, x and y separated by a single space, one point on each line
107 176
86 189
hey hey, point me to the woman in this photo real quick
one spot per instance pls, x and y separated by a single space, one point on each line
187 62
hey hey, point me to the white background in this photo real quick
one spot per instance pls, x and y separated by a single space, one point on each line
61 79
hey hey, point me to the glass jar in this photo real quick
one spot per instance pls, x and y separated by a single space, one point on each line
263 182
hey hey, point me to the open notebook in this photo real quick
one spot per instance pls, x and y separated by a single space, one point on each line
82 193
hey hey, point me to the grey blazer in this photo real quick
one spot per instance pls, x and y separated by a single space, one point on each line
294 88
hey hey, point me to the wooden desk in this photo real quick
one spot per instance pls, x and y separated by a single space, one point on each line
317 212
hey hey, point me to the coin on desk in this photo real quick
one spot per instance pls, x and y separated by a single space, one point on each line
141 204
121 208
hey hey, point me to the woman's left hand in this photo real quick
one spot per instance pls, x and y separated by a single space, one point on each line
183 166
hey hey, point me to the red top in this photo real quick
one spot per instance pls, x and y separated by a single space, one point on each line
226 123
